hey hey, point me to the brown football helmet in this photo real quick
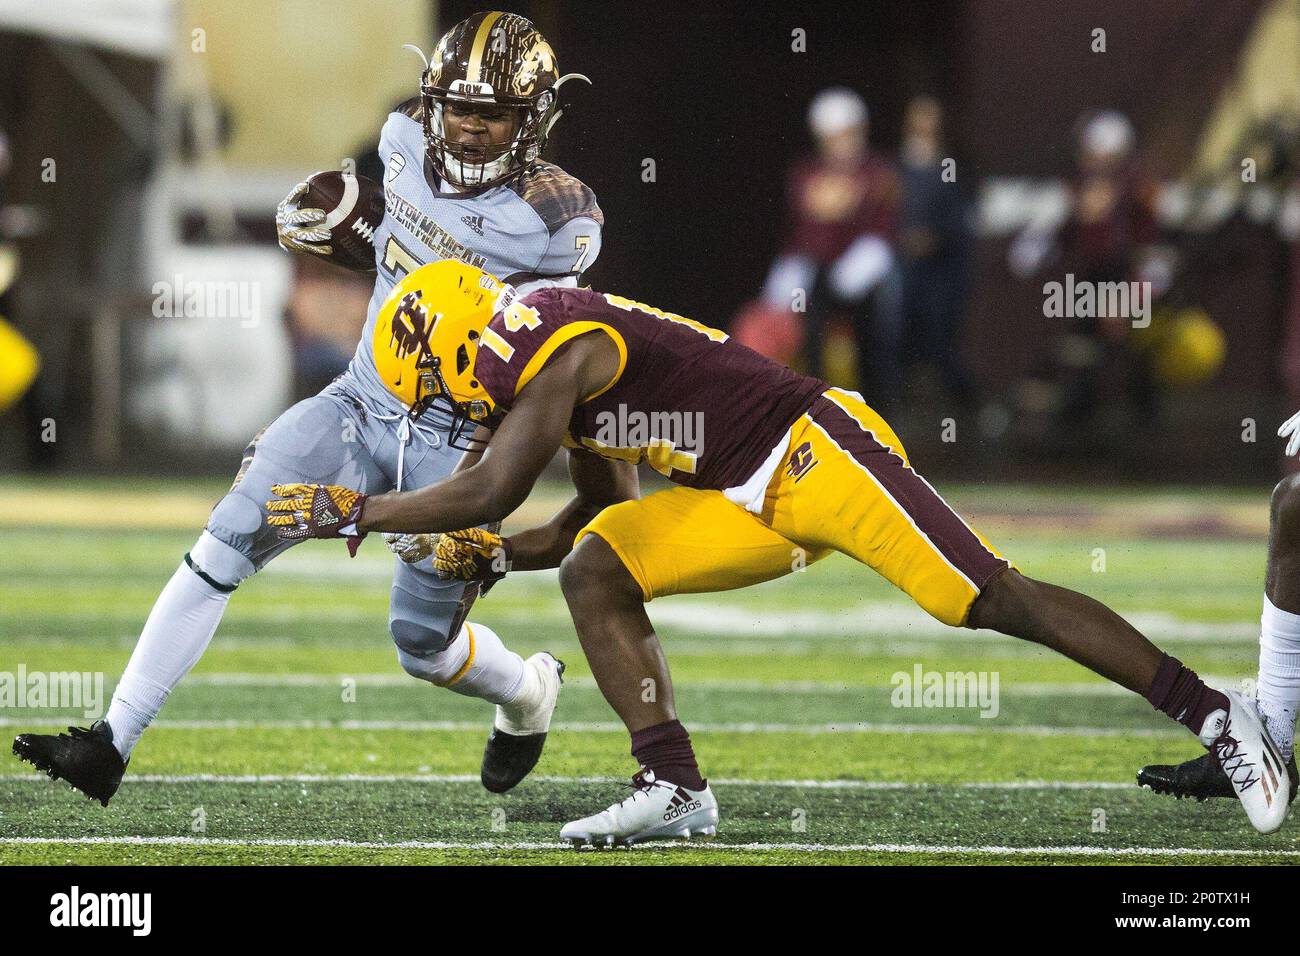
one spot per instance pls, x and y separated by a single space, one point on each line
491 58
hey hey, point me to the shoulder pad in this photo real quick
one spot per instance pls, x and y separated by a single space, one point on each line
556 196
412 108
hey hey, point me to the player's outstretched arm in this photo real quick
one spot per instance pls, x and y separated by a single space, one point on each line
519 451
599 483
478 554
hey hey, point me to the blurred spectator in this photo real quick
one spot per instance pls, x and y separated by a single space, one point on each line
843 207
327 310
19 363
1284 172
933 249
19 360
1109 235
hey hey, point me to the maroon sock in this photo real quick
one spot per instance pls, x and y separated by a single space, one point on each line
1178 692
666 749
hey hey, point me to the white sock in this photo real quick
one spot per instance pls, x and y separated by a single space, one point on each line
182 621
1278 691
495 673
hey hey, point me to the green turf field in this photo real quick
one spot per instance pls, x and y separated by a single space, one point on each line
299 739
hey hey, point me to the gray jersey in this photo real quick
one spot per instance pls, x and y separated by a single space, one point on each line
543 225
542 228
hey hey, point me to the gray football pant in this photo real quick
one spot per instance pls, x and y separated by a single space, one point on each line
333 438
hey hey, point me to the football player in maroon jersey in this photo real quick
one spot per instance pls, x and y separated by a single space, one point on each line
772 470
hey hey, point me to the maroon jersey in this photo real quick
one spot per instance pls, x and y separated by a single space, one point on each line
699 408
830 208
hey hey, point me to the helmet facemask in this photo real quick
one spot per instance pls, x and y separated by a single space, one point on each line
498 59
501 161
465 416
411 330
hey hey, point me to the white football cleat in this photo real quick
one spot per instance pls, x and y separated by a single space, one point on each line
657 810
519 732
1250 760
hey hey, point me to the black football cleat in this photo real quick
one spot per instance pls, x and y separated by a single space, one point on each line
84 757
517 738
1201 779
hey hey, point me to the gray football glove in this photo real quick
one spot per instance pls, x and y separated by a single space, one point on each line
1290 430
301 230
411 548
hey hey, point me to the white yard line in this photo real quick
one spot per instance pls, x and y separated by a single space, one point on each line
336 679
846 727
967 647
866 785
1016 688
652 848
687 620
706 616
299 679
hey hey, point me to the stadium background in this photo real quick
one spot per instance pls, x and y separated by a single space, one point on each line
171 152
175 128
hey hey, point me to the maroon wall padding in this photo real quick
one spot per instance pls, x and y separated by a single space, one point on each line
1027 71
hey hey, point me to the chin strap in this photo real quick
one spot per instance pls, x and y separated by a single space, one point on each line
404 439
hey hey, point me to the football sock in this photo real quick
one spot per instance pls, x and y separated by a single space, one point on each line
482 666
1178 692
666 749
178 630
1278 689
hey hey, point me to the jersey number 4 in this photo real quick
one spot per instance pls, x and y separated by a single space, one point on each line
516 316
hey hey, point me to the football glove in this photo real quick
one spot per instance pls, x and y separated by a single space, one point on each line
301 230
411 548
1290 430
316 511
472 555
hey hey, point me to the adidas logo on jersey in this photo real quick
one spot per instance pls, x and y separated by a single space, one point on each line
682 802
474 222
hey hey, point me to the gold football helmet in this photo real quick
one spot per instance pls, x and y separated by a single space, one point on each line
427 336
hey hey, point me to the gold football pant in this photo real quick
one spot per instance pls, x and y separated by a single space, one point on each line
844 485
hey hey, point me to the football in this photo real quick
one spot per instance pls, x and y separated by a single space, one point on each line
354 207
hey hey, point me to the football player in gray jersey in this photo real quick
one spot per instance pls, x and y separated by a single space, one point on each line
463 180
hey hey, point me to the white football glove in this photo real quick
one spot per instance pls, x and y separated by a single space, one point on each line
301 230
411 548
1290 430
